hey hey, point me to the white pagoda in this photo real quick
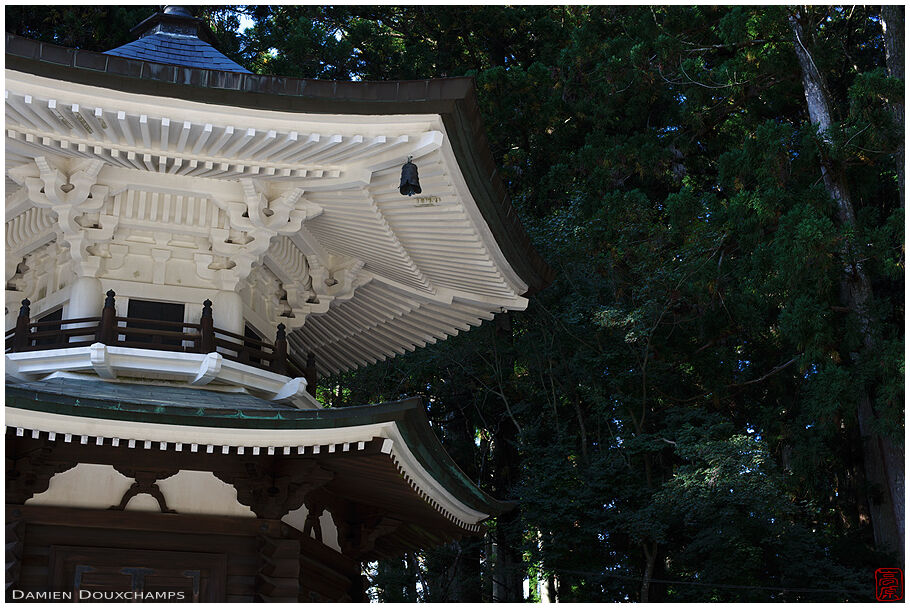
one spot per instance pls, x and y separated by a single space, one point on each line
189 247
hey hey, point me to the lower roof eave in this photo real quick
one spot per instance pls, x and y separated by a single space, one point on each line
395 428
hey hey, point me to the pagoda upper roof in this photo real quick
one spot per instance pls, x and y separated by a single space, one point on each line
418 273
189 51
173 37
454 99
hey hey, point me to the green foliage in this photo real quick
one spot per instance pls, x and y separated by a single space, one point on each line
683 395
688 383
95 28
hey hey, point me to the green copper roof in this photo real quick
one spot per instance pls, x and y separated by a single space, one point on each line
152 394
134 404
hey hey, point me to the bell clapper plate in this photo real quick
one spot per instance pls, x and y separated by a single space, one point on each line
426 201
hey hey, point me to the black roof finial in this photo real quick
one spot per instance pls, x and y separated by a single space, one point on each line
177 11
172 20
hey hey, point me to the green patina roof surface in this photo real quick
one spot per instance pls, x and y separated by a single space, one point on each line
152 394
137 403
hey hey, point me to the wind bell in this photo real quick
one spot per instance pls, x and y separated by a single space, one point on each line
410 184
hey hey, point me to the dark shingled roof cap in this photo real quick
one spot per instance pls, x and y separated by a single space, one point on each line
176 37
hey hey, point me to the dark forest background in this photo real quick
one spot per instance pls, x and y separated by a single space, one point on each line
707 403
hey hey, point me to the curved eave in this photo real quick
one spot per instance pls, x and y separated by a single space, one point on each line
452 98
408 417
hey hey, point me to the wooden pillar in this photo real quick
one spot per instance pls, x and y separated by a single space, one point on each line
309 372
272 488
278 578
20 338
86 300
228 311
107 326
207 329
15 540
280 355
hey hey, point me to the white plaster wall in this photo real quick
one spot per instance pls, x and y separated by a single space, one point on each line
297 519
99 486
89 486
202 493
143 502
329 531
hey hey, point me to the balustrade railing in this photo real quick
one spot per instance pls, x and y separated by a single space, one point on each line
175 336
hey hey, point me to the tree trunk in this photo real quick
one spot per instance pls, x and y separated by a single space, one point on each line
489 581
508 572
882 460
465 573
468 583
413 570
650 559
893 31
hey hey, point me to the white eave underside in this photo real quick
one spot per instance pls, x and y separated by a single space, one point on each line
432 270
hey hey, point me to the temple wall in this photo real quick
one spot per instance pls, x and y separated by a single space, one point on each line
100 486
232 559
296 519
85 486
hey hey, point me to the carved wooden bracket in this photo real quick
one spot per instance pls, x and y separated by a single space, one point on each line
70 197
272 492
31 473
254 222
357 536
145 484
54 189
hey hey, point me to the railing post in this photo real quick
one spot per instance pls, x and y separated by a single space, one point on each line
309 372
107 326
207 329
20 339
280 355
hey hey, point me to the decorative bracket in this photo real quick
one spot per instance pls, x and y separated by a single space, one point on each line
257 219
338 281
31 473
71 197
145 484
273 493
53 189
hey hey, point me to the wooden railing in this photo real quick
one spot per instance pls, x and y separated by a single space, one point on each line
175 336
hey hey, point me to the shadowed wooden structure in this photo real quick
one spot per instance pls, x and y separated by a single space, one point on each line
368 486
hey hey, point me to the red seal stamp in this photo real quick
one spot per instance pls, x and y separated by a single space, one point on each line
889 585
